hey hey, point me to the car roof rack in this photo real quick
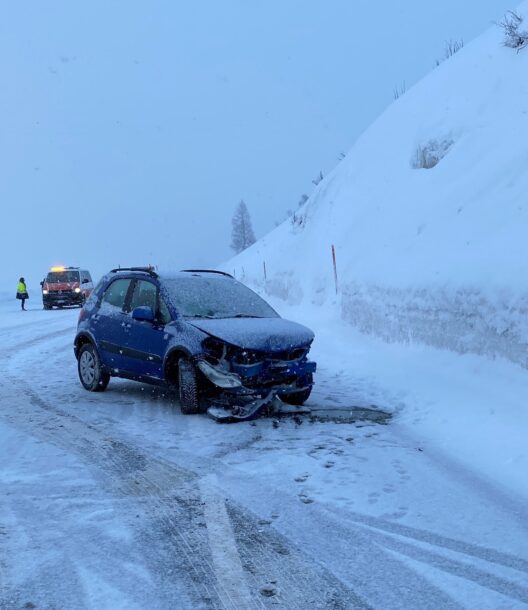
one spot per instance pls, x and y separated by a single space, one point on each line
206 271
149 270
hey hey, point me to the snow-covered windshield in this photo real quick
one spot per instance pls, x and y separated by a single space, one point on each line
216 297
62 277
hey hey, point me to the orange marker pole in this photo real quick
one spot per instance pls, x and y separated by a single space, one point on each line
335 266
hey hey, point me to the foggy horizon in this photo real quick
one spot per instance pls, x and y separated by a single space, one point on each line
130 133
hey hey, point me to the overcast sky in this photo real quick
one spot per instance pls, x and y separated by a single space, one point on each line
130 130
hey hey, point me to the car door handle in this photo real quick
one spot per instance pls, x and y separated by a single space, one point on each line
126 325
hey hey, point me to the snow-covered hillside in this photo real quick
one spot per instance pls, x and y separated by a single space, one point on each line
434 255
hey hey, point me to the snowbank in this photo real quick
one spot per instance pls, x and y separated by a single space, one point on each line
436 255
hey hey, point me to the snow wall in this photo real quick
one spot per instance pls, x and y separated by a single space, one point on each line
428 215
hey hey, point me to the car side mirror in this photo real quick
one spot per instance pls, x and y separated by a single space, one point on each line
42 283
85 281
143 314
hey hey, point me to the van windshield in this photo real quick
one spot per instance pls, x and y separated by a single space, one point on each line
62 277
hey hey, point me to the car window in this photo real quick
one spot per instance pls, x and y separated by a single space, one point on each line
115 294
164 314
216 297
144 295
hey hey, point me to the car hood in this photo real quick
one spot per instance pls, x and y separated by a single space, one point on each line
259 334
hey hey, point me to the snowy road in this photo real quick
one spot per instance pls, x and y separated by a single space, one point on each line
116 500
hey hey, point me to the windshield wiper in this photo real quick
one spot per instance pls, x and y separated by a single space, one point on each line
245 315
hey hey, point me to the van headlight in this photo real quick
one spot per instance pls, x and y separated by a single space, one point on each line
77 290
45 291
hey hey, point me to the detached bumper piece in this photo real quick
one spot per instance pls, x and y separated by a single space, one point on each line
249 392
269 405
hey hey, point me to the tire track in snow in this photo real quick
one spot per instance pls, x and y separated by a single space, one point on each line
361 530
354 535
159 487
338 532
130 474
124 469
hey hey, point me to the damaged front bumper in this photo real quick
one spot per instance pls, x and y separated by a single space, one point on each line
260 378
248 391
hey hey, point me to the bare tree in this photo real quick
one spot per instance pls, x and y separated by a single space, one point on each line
514 37
397 92
318 178
451 47
242 235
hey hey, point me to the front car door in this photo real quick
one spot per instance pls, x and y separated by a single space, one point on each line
146 342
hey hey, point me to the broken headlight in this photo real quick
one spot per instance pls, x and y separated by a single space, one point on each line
215 350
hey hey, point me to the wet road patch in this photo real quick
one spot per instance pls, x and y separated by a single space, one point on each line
350 415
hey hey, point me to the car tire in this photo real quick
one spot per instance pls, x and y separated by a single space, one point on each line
298 398
47 307
91 373
188 389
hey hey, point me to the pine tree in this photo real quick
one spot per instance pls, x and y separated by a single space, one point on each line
242 235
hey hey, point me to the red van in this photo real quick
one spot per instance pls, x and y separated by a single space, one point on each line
66 286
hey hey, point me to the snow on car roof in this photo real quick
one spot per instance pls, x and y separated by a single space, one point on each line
171 275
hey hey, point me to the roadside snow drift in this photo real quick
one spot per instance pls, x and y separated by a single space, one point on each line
427 213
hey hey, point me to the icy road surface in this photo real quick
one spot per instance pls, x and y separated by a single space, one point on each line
116 500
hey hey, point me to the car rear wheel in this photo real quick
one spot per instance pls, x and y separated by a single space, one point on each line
299 398
91 373
188 387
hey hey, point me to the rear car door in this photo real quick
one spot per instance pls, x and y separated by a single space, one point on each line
108 324
146 342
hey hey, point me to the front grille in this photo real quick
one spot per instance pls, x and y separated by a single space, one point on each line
65 295
270 381
294 354
252 357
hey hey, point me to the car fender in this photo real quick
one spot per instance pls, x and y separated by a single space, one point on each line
85 334
191 347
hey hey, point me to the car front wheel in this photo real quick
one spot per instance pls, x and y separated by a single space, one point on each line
91 373
188 388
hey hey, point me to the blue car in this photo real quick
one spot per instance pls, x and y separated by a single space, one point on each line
202 333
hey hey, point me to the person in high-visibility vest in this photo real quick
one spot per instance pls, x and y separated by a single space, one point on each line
22 292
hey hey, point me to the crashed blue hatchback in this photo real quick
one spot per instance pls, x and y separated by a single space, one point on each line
219 345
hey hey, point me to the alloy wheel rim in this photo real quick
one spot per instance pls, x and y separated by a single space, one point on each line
87 367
